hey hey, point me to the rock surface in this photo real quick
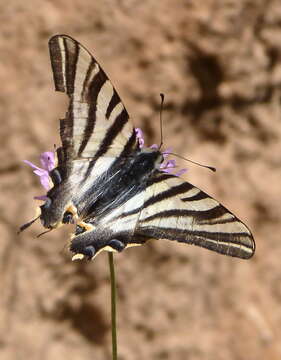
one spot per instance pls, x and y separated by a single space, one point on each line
219 65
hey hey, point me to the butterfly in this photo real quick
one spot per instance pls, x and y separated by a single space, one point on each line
110 185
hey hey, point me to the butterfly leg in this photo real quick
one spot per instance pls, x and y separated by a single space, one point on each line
116 245
89 252
88 243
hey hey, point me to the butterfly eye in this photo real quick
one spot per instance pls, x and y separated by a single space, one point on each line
67 218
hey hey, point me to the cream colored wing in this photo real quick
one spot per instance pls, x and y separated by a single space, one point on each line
176 210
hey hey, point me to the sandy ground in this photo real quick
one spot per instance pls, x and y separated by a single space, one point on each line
219 64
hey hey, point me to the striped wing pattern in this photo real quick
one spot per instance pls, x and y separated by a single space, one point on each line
176 210
98 143
97 124
170 208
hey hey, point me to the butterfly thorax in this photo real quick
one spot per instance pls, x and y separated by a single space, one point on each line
141 165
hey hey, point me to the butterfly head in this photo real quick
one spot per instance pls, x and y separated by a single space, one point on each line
54 213
57 209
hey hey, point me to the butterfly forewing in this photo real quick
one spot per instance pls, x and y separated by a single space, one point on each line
97 123
96 131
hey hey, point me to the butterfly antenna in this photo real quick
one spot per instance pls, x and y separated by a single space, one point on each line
160 120
44 232
194 162
25 226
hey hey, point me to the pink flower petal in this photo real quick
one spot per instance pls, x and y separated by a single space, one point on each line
169 171
45 181
171 164
140 137
181 172
154 146
40 172
167 152
31 164
41 197
47 160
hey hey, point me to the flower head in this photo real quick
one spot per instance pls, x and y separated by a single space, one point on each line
47 160
167 166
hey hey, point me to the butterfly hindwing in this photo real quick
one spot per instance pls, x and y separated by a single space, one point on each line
170 208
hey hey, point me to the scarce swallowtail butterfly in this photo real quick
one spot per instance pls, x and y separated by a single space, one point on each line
110 185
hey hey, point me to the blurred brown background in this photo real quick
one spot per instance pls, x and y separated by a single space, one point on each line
219 64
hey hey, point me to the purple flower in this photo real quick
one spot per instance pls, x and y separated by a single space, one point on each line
47 160
167 166
139 135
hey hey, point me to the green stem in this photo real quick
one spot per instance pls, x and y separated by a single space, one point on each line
113 306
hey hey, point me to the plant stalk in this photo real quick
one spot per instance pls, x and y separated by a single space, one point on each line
113 306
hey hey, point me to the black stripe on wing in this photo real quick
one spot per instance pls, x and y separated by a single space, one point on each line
92 95
200 196
111 134
57 61
184 213
71 57
240 244
173 191
158 178
64 55
78 74
198 215
115 100
66 134
130 147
